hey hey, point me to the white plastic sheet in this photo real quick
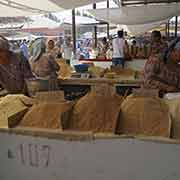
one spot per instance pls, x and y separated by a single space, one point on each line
137 14
70 4
142 28
39 6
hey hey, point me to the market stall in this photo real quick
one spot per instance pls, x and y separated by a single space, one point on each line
88 127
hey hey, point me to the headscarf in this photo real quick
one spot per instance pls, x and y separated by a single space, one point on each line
175 44
4 51
38 47
4 44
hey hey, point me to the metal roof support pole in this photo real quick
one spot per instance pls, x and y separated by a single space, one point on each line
168 29
176 26
74 31
108 23
95 30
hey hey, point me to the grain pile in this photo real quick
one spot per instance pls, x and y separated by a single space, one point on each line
96 71
47 115
65 69
174 109
13 108
122 74
97 111
144 116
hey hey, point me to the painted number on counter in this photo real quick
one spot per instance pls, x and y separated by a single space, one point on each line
33 155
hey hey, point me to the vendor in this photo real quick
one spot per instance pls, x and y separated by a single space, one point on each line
157 44
43 64
119 50
14 70
162 71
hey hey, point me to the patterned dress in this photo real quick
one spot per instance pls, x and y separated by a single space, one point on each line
14 73
158 47
158 75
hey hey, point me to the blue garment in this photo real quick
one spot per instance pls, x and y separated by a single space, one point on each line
118 61
24 50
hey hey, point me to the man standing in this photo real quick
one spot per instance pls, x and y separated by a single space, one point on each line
119 50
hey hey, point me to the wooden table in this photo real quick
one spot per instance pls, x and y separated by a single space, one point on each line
94 81
75 88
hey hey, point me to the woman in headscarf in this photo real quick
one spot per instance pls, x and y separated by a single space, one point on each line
43 65
13 69
157 44
162 71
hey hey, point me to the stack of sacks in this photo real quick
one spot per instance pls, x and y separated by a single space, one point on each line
13 108
49 112
97 111
147 116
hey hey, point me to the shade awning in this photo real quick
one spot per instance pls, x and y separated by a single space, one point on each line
142 2
71 4
15 8
143 28
137 14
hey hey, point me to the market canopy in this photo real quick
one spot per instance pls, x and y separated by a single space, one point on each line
142 2
15 8
134 15
143 28
71 4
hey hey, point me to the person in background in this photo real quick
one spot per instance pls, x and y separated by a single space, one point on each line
103 46
24 49
68 49
13 70
52 49
141 51
119 46
157 45
162 70
43 65
134 50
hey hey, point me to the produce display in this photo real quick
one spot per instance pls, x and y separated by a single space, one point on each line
100 111
13 108
144 116
65 69
46 115
97 111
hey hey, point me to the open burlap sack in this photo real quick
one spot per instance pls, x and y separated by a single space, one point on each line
65 69
147 116
47 115
50 96
97 111
13 108
174 109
